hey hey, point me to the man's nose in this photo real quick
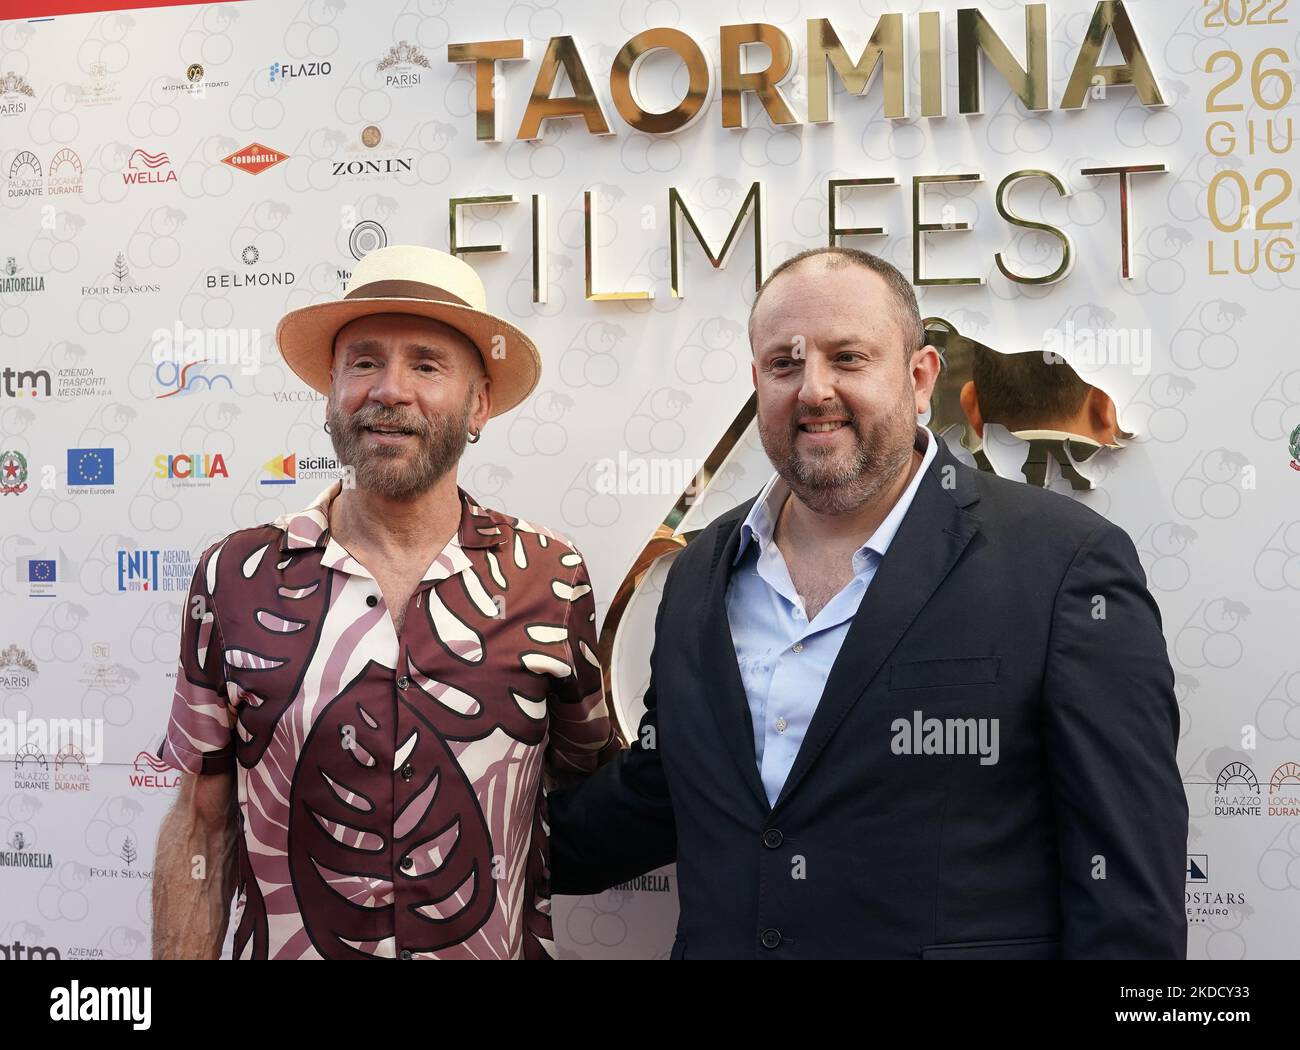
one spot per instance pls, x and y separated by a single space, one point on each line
818 381
393 386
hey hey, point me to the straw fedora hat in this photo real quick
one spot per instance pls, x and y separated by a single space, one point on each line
409 279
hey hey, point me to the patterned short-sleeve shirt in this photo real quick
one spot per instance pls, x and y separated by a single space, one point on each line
390 785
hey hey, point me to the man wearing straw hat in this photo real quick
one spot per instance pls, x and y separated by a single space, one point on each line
372 689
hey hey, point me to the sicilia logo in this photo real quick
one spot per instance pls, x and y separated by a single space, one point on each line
255 158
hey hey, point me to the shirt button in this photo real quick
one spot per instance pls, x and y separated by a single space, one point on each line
771 938
403 682
797 647
371 600
406 953
407 863
772 838
781 725
408 771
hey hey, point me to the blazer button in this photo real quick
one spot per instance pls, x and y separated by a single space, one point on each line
771 938
407 863
406 953
408 771
772 838
371 600
403 682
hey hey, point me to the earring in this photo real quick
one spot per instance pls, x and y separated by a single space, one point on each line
327 426
473 436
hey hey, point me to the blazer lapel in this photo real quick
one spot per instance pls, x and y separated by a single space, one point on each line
724 688
934 532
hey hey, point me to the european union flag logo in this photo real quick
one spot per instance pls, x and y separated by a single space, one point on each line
90 466
41 570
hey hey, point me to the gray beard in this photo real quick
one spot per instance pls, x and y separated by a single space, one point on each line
871 468
441 443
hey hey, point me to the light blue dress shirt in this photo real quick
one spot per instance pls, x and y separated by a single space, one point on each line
785 660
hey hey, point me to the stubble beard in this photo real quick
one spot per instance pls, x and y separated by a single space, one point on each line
834 482
384 469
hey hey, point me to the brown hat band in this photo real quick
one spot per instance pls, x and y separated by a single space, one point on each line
397 289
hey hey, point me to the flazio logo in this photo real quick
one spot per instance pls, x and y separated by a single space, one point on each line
13 473
288 70
1294 445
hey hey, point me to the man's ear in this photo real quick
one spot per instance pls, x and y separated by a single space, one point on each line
753 374
1103 420
925 366
970 405
482 401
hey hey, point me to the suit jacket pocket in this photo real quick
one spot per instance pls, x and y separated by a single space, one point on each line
1017 948
927 674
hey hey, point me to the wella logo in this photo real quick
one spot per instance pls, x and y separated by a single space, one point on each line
144 167
255 158
186 465
151 773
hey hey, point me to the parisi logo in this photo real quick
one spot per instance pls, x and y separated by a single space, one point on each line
76 1003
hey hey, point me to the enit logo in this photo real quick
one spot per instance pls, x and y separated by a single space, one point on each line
154 570
255 158
189 466
302 69
152 773
143 167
